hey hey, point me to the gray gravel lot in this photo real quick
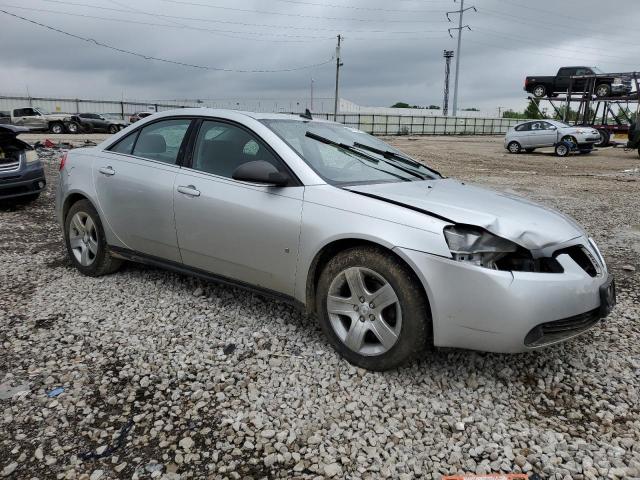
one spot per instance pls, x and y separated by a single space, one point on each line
167 376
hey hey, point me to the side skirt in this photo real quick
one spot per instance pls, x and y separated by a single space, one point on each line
132 256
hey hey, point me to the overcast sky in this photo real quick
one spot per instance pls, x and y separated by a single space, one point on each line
392 49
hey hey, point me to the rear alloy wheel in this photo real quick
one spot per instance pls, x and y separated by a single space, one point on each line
73 128
603 90
372 309
539 91
514 147
86 243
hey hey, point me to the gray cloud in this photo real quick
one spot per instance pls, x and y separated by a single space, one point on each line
510 39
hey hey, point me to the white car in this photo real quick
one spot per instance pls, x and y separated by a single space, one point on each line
534 134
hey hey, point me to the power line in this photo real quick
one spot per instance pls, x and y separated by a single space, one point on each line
295 15
525 40
231 22
158 59
351 7
530 52
176 25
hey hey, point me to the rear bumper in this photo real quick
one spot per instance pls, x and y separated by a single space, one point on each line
496 311
26 181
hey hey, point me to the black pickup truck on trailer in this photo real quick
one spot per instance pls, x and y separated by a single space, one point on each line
607 85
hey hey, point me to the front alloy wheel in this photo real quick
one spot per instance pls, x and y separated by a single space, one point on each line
367 322
372 308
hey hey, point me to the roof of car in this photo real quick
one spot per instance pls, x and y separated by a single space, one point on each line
213 112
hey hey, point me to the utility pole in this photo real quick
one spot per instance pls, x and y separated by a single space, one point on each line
338 65
312 80
448 55
459 28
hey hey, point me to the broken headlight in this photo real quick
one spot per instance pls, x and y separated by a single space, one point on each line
477 246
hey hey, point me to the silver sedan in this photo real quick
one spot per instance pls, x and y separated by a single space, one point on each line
389 255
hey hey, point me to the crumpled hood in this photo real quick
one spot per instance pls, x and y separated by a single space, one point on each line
526 223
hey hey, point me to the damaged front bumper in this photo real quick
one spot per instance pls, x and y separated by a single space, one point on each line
508 312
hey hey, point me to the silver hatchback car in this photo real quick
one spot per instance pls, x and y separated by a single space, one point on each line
534 134
388 254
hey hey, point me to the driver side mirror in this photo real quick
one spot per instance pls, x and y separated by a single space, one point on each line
259 171
553 127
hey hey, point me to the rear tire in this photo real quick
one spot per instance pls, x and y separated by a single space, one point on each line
374 336
539 91
514 147
86 243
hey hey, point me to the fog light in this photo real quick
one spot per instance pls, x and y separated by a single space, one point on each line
41 185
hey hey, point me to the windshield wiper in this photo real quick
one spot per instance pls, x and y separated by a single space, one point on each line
359 152
396 156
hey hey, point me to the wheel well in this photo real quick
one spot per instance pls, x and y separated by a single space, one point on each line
331 250
69 201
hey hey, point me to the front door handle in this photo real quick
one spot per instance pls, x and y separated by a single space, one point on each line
109 171
189 190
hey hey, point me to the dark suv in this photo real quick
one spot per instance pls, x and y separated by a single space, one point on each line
21 172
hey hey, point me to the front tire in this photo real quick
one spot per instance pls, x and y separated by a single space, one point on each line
56 128
514 147
603 90
562 149
604 138
73 127
86 243
372 309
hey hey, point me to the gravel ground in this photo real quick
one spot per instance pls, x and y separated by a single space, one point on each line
166 376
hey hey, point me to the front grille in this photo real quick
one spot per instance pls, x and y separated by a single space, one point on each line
557 330
582 257
10 165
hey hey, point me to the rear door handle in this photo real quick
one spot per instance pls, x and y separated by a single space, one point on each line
189 190
107 171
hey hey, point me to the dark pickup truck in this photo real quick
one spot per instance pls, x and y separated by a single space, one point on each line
606 84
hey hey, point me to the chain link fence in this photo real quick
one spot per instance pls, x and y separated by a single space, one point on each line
377 124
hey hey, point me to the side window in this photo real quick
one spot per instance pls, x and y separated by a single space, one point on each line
222 147
161 141
582 71
525 127
564 72
546 125
125 145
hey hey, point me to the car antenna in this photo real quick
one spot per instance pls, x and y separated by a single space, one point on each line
307 114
